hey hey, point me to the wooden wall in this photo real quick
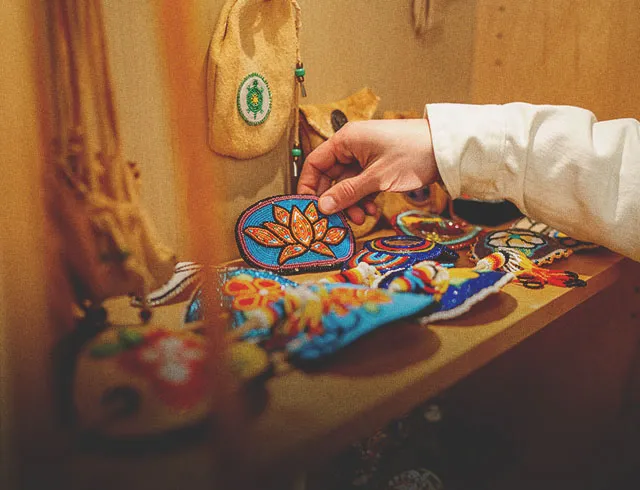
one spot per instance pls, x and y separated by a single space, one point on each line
572 52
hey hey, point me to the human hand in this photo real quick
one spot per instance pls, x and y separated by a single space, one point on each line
367 157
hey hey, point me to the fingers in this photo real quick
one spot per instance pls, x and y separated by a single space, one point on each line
347 193
322 165
370 207
366 206
356 214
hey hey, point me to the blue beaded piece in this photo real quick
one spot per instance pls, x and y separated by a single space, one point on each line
262 274
239 318
419 249
462 294
288 234
195 310
342 330
383 262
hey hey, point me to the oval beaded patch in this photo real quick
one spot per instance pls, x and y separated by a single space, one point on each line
288 234
455 234
254 99
540 249
418 248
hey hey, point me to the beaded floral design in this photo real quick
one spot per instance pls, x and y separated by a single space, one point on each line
340 314
175 363
255 296
296 233
289 234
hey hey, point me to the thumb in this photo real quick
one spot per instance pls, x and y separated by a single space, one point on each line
346 193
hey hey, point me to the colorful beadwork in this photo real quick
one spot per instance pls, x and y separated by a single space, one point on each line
364 275
186 279
455 234
174 362
467 287
288 234
331 316
254 99
383 262
425 278
540 249
526 223
418 248
255 294
194 309
528 274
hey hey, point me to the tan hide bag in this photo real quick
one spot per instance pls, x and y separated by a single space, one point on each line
254 60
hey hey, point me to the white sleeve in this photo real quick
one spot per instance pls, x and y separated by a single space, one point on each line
556 163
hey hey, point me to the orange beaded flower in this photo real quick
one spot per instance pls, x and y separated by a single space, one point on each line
297 233
255 296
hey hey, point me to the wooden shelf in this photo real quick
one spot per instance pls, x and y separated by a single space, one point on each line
310 416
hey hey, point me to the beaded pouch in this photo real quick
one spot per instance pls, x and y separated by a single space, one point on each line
311 321
254 62
526 223
141 381
455 234
540 249
332 316
254 296
288 234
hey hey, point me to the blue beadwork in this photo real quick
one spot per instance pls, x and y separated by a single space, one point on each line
195 310
269 257
416 247
340 331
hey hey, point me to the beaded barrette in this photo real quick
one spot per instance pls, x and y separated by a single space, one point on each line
401 251
526 223
363 274
382 262
455 234
539 249
288 234
418 248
